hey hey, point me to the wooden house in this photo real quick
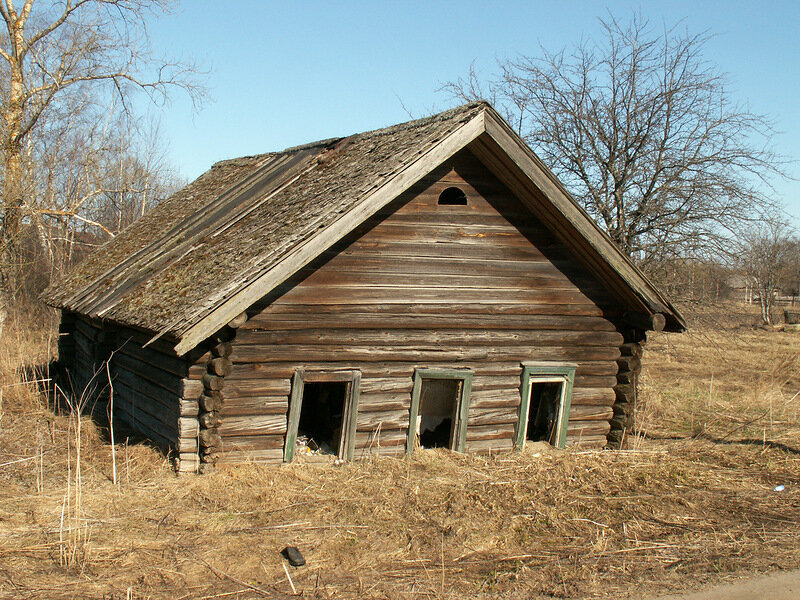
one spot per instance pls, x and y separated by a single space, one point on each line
428 284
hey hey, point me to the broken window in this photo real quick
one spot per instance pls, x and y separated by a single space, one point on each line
546 398
439 408
322 414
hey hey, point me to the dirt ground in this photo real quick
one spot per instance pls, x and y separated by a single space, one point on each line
776 586
707 493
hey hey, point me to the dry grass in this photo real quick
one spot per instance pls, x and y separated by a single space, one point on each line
671 513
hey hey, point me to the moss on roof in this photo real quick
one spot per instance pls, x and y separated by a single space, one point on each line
170 268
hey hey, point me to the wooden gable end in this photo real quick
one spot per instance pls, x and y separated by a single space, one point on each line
482 286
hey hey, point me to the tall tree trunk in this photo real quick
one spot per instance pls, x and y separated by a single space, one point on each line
13 179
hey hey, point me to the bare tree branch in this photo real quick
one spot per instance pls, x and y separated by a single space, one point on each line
67 62
641 128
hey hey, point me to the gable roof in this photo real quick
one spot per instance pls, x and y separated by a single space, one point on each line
214 248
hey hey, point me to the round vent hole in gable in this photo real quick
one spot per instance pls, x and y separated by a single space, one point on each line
453 196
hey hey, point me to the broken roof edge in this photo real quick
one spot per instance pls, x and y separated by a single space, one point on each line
388 130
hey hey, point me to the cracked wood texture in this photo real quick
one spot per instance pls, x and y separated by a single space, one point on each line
483 286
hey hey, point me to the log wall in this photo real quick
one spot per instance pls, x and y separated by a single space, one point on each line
483 286
627 402
154 391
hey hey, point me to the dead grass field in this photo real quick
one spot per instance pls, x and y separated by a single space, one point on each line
692 501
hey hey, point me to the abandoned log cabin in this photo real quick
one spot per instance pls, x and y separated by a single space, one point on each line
431 284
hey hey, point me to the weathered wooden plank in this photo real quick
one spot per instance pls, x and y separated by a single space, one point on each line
84 346
409 307
189 408
595 381
188 462
256 405
404 317
372 371
494 234
391 437
254 455
431 295
233 443
455 216
491 432
166 363
239 387
165 402
187 444
376 252
507 399
590 413
129 392
192 389
188 427
149 375
409 337
577 429
400 383
492 416
197 371
417 354
385 420
253 425
146 424
380 402
468 276
593 396
87 328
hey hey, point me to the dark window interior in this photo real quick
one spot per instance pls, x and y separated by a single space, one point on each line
437 406
321 414
543 414
453 196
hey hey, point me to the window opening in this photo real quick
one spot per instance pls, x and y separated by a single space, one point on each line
321 417
439 409
453 196
322 414
544 407
546 399
437 412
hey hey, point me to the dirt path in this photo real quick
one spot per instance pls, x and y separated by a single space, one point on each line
776 586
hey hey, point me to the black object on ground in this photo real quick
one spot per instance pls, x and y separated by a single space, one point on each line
293 555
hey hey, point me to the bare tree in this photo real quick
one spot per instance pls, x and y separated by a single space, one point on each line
641 129
93 176
769 254
57 56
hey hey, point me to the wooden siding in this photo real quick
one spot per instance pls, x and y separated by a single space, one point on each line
155 391
483 286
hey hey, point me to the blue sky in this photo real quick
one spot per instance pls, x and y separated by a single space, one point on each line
286 73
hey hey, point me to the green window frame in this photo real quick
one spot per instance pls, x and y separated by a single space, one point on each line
545 372
461 413
349 414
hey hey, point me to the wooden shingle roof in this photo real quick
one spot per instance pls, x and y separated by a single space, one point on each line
215 247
